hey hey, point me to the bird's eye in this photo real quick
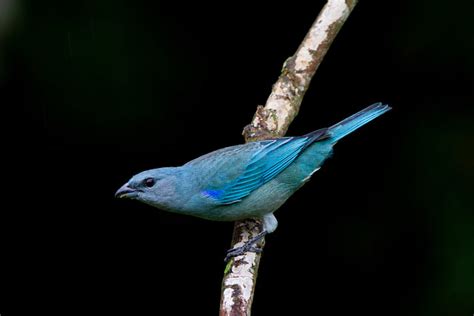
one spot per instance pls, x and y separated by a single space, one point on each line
149 182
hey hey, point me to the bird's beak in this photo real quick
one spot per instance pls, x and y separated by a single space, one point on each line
126 192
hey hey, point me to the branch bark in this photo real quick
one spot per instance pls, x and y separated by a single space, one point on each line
273 120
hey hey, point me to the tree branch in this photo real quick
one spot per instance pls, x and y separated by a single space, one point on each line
271 121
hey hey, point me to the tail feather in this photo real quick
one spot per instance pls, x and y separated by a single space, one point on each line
353 122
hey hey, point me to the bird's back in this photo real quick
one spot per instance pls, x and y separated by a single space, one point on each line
219 167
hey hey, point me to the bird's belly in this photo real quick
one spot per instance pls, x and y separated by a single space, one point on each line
264 200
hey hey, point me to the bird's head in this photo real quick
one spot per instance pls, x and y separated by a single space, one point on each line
156 187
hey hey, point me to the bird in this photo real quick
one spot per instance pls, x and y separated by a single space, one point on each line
250 180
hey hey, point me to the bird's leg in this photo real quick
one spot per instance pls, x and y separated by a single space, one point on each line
248 246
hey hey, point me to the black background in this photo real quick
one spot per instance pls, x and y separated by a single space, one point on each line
93 92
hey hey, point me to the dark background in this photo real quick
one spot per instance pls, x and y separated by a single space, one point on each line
93 92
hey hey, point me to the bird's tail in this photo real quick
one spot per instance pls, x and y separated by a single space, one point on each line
353 122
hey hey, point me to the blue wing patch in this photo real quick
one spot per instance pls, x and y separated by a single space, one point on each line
264 165
213 194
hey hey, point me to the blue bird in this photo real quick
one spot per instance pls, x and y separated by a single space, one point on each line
251 180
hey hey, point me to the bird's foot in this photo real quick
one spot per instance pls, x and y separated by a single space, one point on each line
249 246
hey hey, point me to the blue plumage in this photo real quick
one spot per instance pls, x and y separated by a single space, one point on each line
265 164
357 120
243 181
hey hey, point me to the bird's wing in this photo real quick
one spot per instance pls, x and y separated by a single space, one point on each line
264 165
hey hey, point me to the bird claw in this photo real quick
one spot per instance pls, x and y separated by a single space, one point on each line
249 246
239 251
255 249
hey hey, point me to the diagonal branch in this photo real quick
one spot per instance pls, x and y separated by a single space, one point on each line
273 120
